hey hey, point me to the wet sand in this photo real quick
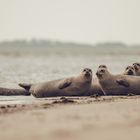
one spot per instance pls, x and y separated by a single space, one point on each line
72 118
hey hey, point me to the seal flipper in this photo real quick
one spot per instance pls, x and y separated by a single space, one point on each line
25 86
65 84
123 82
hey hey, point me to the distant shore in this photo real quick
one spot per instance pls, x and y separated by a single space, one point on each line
56 43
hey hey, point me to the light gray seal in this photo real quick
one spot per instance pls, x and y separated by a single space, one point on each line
130 70
118 84
73 86
137 68
95 86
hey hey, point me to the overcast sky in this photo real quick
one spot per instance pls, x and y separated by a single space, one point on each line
88 21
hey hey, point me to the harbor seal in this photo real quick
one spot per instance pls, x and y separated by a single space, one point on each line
73 86
95 86
137 68
118 84
129 70
13 92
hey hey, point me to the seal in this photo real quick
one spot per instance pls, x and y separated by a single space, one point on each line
95 86
73 86
13 92
137 68
130 70
118 84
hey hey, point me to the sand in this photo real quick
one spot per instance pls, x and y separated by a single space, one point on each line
72 118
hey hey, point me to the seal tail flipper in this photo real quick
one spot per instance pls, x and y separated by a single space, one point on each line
25 86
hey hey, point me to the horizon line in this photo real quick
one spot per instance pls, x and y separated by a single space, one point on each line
69 41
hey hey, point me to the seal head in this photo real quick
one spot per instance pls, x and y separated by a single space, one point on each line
130 70
137 68
87 73
102 73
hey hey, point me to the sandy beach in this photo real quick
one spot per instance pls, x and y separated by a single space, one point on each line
72 118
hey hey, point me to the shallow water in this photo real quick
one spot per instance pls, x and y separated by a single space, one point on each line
33 65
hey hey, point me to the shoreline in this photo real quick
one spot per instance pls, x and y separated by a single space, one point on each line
44 103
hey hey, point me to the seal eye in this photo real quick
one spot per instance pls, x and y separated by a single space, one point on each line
102 66
89 70
84 70
126 68
137 64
